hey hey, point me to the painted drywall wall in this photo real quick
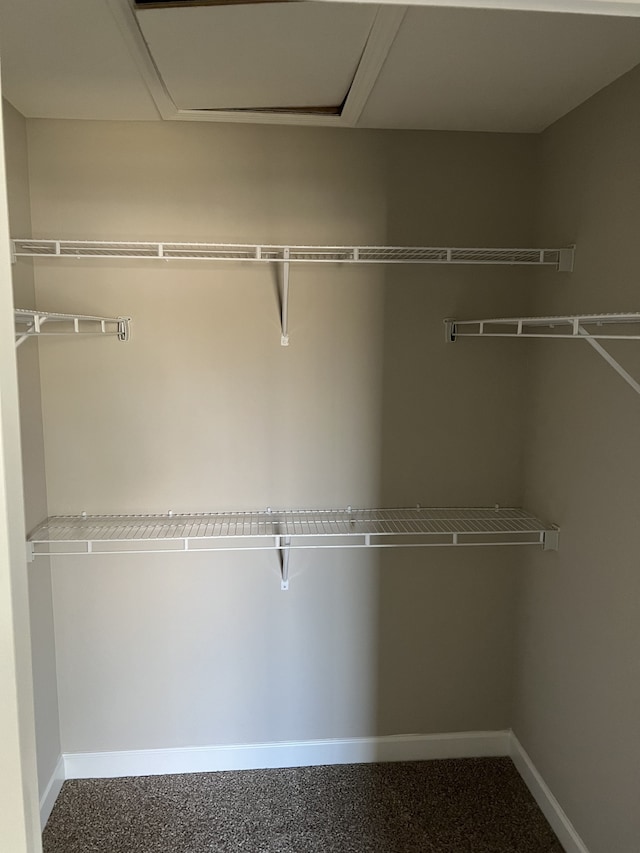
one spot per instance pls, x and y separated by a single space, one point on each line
40 592
204 410
578 687
19 813
451 429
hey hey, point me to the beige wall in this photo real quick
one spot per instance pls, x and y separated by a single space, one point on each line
451 430
578 689
40 593
204 410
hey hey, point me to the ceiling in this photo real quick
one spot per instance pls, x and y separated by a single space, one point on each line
315 63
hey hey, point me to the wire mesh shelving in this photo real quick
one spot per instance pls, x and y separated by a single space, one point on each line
30 323
561 258
288 530
591 328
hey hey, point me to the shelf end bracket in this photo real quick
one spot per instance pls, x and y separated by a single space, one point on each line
551 539
566 258
124 332
450 331
30 552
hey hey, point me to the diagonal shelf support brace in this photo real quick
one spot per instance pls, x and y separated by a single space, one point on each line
619 369
284 340
283 544
123 328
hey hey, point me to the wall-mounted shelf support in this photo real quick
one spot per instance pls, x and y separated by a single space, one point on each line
619 369
566 259
288 530
591 328
284 340
551 538
283 544
29 324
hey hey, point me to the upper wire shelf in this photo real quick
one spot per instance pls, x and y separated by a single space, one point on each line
561 259
29 324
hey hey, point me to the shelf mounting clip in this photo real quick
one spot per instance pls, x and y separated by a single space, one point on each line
450 331
551 538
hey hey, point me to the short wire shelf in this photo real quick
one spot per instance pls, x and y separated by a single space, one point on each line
290 529
623 326
29 324
561 258
591 328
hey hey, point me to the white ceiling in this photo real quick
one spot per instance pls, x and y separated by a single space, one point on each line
478 69
260 55
438 68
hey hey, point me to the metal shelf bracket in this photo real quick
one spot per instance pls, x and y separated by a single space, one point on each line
551 539
619 369
450 331
284 312
283 544
124 328
566 258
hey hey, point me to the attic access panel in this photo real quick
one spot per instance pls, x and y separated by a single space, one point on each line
261 57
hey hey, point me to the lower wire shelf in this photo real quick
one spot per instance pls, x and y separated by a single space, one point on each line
338 528
287 530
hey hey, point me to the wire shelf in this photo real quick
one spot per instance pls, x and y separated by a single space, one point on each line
29 324
580 326
333 528
559 258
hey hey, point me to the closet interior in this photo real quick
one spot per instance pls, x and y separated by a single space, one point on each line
291 402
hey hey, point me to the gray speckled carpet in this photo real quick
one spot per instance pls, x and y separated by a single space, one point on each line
477 805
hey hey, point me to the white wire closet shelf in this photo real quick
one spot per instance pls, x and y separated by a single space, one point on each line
29 324
288 530
591 328
560 258
596 326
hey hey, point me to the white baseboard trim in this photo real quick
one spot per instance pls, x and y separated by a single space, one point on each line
205 759
50 793
150 762
548 804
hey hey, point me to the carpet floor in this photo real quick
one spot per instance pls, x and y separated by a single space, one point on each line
478 805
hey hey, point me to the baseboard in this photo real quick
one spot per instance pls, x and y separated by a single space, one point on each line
205 759
50 793
150 762
548 804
